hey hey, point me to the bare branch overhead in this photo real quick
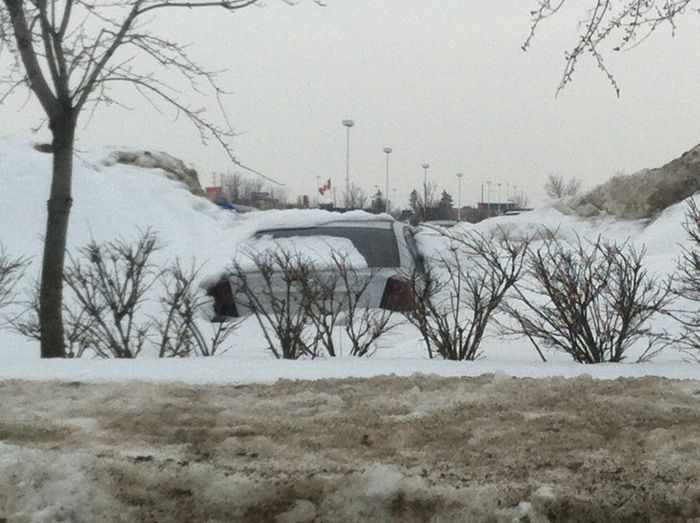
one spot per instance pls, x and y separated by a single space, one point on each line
624 24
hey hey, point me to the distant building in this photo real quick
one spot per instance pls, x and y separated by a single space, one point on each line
215 194
485 210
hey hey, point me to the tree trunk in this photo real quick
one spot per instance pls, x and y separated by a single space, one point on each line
59 204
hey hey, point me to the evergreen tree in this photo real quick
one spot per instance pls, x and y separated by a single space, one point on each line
445 206
414 202
378 204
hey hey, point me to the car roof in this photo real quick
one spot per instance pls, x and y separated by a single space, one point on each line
379 223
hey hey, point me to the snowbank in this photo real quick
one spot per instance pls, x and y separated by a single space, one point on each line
646 193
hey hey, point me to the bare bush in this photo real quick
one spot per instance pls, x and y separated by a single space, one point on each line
592 300
363 325
109 283
27 322
276 294
11 272
179 331
688 283
301 307
108 288
326 307
457 295
76 322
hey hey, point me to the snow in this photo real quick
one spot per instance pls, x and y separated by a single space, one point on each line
316 251
242 371
113 200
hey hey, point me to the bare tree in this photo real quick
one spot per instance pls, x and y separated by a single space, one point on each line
623 24
231 187
71 54
687 286
521 201
356 198
457 295
422 204
557 187
592 300
248 189
237 188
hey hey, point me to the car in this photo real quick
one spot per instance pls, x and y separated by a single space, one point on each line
386 246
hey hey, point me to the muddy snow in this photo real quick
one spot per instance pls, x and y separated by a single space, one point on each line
423 448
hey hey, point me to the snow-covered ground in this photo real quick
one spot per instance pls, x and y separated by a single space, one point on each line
113 200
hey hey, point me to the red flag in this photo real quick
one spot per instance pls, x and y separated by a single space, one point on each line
326 186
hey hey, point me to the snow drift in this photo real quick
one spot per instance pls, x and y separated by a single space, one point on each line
646 193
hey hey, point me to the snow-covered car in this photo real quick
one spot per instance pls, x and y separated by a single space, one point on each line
382 253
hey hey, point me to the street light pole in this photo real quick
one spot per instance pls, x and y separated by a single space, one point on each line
348 124
488 197
387 151
425 167
318 186
459 196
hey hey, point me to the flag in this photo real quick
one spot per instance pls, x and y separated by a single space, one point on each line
325 187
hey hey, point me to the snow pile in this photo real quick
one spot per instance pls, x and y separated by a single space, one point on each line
253 223
646 193
174 168
319 252
55 486
662 238
110 201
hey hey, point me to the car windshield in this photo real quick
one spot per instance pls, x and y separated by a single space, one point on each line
378 246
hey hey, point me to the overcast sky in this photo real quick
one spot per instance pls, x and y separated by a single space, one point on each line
440 81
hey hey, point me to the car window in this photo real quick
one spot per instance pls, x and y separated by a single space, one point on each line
378 246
